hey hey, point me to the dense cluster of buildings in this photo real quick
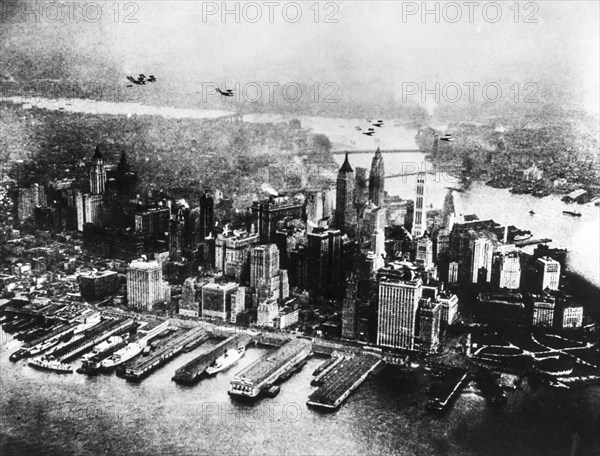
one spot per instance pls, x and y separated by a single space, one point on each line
390 266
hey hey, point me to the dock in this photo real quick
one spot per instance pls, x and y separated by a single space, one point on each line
168 348
342 378
94 336
453 379
320 377
273 366
526 242
192 372
58 332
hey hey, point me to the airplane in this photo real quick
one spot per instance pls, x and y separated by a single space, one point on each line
369 133
379 123
141 80
138 81
226 93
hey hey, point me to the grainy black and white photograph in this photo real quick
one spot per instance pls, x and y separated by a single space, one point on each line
299 228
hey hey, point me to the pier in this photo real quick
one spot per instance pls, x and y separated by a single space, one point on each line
344 377
192 371
94 336
527 242
447 389
275 365
167 349
58 332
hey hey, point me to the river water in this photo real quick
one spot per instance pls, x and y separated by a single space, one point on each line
46 413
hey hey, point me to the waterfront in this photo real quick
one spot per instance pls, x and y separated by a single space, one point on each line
47 413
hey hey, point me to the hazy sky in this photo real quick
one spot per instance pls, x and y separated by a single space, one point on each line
371 50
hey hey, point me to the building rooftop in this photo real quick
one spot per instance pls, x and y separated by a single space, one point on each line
270 362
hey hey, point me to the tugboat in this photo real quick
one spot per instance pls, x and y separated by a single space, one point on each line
19 354
522 237
229 358
50 364
572 213
273 391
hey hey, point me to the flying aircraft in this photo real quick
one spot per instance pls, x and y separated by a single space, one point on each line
141 79
225 93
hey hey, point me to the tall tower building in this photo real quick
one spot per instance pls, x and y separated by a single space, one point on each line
97 174
318 260
264 264
508 270
549 272
207 218
398 306
429 324
349 311
377 180
424 253
176 228
144 284
481 263
345 214
420 215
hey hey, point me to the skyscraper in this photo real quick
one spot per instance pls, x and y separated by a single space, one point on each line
398 306
345 214
217 299
176 227
377 180
548 273
206 221
425 252
318 260
507 270
264 264
97 174
267 213
144 284
420 215
349 311
481 264
429 324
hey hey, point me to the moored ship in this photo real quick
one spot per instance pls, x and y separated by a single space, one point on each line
50 364
88 323
123 355
103 346
37 349
228 359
